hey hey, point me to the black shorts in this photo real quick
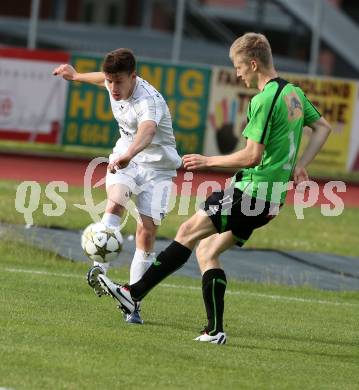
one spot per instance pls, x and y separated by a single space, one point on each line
233 210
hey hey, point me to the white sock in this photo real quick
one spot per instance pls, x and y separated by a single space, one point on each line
140 263
111 220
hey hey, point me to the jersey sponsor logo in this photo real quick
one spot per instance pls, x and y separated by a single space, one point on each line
294 105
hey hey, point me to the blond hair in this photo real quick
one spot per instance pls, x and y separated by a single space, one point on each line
252 46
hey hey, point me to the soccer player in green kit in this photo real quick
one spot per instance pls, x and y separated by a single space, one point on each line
276 117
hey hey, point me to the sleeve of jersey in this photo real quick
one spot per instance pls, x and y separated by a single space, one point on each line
148 110
311 114
259 124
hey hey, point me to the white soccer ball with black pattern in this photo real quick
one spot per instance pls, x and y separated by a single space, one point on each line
101 243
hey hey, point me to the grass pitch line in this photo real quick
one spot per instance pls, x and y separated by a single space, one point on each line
268 296
179 286
30 271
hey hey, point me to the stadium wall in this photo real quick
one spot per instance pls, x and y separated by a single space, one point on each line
208 105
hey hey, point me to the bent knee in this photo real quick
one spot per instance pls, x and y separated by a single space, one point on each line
185 230
118 195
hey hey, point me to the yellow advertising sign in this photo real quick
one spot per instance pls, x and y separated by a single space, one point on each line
227 114
89 118
335 100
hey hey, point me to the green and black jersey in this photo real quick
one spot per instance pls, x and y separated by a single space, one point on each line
276 117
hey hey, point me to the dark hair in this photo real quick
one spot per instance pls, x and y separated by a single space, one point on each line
119 60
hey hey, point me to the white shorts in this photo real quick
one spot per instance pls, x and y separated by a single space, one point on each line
152 188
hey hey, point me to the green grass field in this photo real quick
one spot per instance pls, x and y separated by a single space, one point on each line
56 334
313 233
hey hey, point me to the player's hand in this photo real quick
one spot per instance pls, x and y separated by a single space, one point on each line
300 177
66 71
195 161
119 163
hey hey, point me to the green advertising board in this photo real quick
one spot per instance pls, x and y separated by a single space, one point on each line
89 120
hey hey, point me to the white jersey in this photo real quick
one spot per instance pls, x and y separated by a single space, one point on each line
146 103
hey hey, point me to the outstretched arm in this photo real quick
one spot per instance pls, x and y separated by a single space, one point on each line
69 73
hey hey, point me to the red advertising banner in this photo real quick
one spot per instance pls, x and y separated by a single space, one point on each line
32 101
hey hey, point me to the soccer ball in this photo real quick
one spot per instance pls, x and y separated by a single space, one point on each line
101 243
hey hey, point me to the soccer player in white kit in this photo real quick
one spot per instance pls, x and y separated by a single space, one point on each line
144 159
